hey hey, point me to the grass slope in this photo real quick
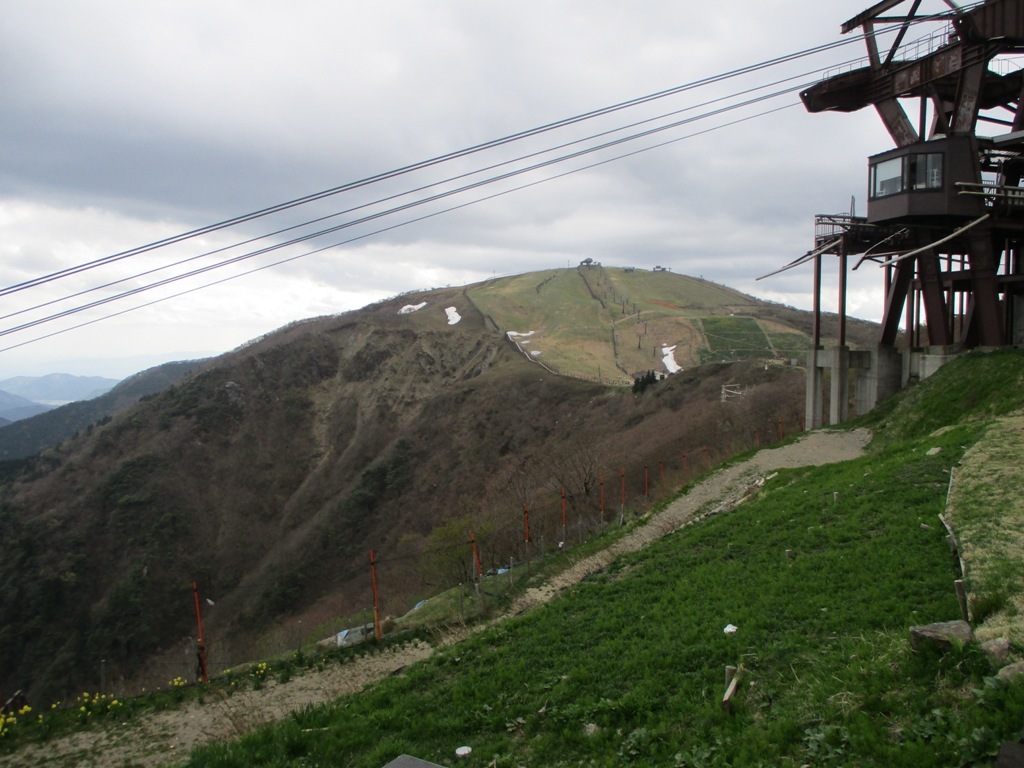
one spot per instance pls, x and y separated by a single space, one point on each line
612 324
627 668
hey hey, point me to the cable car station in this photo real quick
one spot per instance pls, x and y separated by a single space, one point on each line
945 211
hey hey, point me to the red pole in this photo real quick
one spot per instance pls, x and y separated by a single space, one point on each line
376 598
201 649
685 465
623 490
705 449
757 437
781 433
600 484
476 555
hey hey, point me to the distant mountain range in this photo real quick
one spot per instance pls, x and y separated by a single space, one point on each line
14 407
57 388
33 419
24 396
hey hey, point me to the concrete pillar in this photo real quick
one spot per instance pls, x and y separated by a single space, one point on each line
814 403
934 358
881 380
888 373
839 393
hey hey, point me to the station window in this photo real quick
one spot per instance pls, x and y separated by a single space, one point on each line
926 171
908 173
887 177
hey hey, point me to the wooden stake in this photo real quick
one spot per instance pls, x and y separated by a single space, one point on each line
732 675
201 648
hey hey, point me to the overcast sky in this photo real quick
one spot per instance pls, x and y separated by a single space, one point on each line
126 122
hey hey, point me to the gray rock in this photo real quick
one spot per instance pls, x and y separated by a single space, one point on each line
941 635
1011 671
997 650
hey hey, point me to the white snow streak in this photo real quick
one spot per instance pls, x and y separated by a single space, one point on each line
669 359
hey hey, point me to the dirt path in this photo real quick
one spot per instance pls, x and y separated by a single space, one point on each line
165 738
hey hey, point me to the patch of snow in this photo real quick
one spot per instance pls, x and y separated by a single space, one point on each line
535 353
669 359
453 315
515 334
412 308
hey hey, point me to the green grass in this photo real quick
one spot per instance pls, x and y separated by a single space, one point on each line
627 668
572 330
789 344
977 386
733 338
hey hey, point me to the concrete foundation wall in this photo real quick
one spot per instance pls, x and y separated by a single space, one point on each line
880 379
881 373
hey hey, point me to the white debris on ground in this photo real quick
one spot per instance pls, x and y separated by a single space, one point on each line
669 359
412 308
521 340
453 315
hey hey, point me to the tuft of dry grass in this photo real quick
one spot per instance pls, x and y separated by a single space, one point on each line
986 510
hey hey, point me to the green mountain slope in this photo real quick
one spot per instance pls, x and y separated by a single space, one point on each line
627 668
